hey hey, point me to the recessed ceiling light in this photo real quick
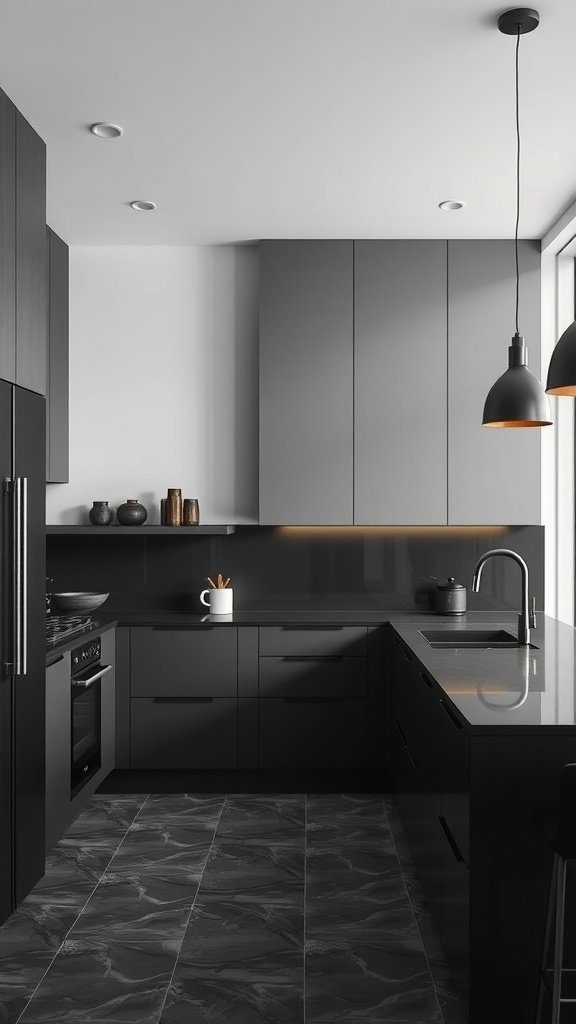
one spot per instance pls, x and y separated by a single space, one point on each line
142 204
106 130
451 204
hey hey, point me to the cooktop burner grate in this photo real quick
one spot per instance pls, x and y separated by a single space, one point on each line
58 627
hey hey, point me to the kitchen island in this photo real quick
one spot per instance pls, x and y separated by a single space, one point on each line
477 743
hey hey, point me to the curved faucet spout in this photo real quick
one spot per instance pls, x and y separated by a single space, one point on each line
527 616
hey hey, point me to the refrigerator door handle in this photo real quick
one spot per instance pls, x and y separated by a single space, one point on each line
8 490
20 575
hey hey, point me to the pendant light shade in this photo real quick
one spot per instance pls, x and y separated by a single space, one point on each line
562 369
517 398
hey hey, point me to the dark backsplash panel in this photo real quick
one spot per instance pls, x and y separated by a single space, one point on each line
276 568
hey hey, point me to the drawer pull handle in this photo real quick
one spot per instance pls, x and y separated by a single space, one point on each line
426 679
400 730
312 700
182 700
450 714
313 657
405 745
405 651
315 628
451 841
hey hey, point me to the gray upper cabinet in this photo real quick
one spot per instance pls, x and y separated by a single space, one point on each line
57 392
31 259
400 382
7 239
306 382
375 361
494 474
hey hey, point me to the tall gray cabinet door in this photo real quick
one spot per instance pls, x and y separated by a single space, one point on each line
57 392
31 259
400 474
494 474
306 389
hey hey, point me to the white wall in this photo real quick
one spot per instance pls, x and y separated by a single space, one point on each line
163 380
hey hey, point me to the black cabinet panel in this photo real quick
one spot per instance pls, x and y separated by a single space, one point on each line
284 640
7 239
303 733
29 689
313 676
183 734
57 390
190 662
58 746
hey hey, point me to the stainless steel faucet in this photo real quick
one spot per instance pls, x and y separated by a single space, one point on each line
527 617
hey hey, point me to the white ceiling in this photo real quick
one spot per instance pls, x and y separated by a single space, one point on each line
292 118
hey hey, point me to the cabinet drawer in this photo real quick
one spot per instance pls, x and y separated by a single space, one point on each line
183 734
349 640
309 675
300 733
190 662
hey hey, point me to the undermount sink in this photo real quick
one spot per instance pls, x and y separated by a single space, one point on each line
470 638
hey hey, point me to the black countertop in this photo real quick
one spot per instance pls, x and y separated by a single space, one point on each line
496 688
523 687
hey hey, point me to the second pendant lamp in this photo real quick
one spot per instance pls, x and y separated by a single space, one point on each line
517 399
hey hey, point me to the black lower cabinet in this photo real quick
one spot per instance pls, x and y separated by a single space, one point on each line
207 697
193 733
302 733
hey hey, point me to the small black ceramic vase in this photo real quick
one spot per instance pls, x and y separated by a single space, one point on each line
131 513
100 514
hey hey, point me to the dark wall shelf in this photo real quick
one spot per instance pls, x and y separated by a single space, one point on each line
139 531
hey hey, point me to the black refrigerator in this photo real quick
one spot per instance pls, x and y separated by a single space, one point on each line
22 643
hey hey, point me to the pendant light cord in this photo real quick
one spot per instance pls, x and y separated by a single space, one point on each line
517 180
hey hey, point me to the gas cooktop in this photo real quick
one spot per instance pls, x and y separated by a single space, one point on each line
60 627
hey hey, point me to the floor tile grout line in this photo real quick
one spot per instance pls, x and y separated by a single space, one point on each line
304 915
80 912
399 859
185 931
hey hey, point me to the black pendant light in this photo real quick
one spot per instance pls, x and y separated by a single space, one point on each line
517 398
562 369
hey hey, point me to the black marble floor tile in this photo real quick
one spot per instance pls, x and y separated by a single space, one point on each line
164 845
79 859
336 821
26 952
106 815
138 906
240 963
100 981
258 869
187 808
263 815
369 983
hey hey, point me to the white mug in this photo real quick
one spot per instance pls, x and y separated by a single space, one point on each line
219 601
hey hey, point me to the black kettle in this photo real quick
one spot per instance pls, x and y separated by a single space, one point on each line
449 598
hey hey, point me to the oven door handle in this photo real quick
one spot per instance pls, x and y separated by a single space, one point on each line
85 683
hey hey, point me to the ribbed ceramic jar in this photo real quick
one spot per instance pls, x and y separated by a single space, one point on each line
131 513
190 512
100 514
174 507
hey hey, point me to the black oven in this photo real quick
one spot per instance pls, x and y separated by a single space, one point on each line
87 672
